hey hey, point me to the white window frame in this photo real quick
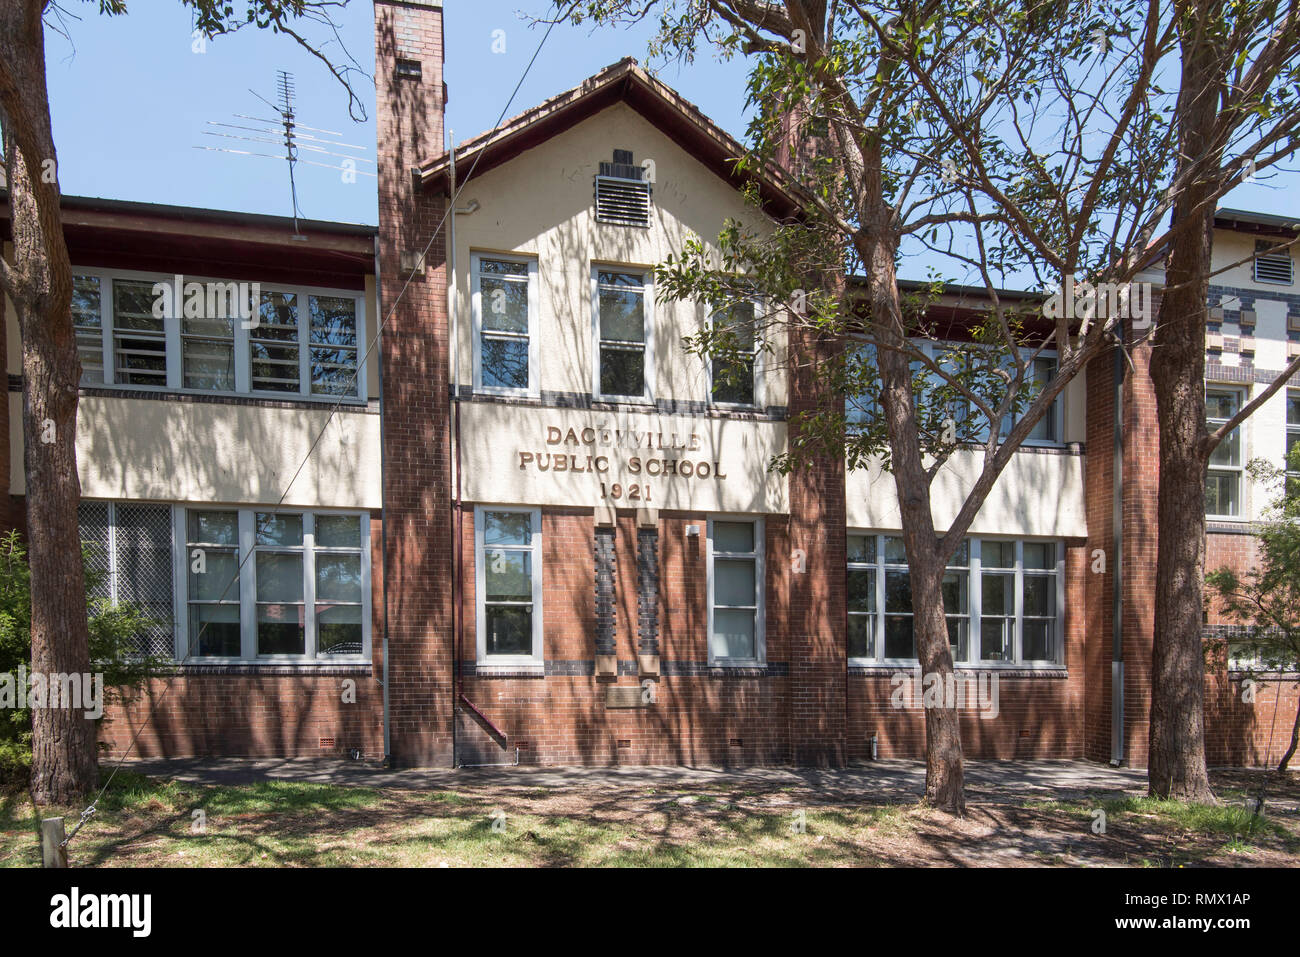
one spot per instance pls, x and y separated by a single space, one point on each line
534 323
974 596
648 315
760 394
1243 396
248 585
1292 428
243 354
760 584
535 662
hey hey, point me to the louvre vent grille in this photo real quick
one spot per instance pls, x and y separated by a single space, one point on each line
625 202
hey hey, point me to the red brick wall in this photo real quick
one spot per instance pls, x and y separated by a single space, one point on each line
261 714
416 436
1038 715
696 719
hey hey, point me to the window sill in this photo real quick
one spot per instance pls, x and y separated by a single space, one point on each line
237 667
1009 669
494 670
271 399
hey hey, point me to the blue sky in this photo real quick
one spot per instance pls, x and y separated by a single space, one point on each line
131 99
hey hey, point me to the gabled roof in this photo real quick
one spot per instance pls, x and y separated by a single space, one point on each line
621 82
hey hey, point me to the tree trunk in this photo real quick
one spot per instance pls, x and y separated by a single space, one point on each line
1295 740
40 283
944 773
1176 762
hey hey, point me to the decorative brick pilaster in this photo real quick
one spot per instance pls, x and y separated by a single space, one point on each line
647 590
606 574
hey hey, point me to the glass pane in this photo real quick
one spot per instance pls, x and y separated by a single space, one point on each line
733 381
998 554
957 638
275 368
133 306
1228 452
862 589
338 577
1040 596
209 364
898 591
1293 408
214 631
219 580
996 636
733 633
508 575
733 582
338 630
999 595
895 552
509 630
507 528
338 531
899 640
961 557
280 630
502 267
279 577
739 318
504 304
1221 493
862 548
733 536
87 320
275 528
333 321
214 528
333 371
622 371
622 307
1040 555
954 593
1221 405
1037 644
860 636
505 363
277 317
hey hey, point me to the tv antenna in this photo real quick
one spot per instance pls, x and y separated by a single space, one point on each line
286 131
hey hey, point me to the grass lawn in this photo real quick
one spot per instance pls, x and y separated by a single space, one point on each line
144 822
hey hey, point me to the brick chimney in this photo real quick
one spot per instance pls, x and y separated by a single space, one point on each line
410 100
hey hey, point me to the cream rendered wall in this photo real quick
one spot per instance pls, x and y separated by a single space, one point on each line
1038 494
541 204
218 453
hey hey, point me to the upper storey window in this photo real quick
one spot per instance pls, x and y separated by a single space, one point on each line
505 324
622 327
178 334
623 192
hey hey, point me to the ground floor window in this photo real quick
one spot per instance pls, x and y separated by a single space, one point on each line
1001 599
274 584
735 573
129 555
507 562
